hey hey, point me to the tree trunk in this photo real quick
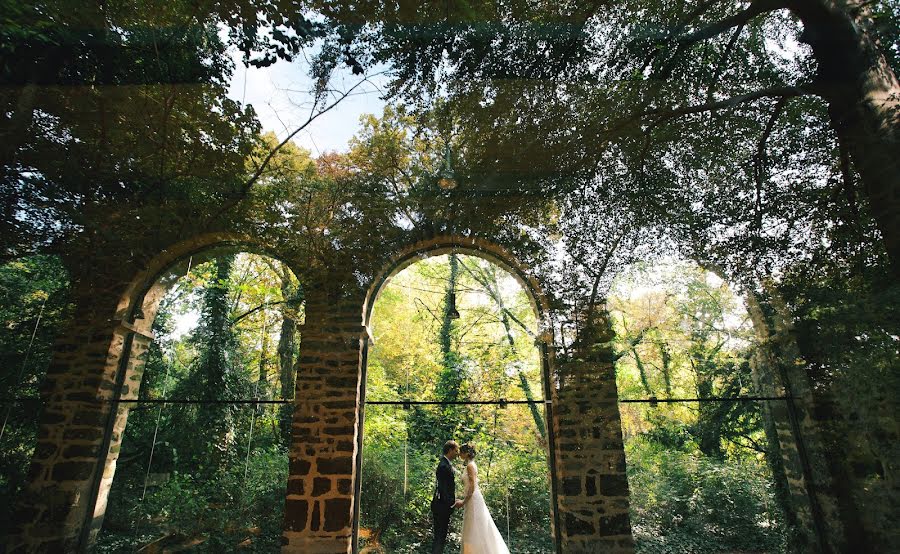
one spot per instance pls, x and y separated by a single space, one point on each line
216 341
489 282
286 357
709 415
450 381
523 381
666 367
286 347
642 371
262 381
445 335
863 96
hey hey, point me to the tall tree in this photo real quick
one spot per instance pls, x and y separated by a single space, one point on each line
554 90
696 342
487 278
287 345
451 386
216 372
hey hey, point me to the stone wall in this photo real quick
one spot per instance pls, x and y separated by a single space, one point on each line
79 434
814 510
100 358
590 453
318 514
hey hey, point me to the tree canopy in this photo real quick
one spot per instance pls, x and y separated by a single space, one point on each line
756 138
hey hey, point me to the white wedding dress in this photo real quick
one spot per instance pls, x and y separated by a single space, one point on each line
479 534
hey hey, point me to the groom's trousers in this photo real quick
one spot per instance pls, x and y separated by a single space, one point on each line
441 515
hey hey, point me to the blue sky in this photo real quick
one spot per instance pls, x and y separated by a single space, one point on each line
278 94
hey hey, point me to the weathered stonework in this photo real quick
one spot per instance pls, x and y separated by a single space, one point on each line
812 479
318 514
590 453
79 436
100 358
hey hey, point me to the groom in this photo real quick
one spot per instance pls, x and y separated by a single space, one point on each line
444 500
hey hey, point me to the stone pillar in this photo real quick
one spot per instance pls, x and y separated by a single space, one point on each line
318 514
590 453
131 384
79 433
814 510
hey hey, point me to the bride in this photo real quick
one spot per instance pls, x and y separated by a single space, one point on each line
479 534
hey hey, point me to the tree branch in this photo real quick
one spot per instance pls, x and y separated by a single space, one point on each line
602 269
632 345
759 159
665 115
702 8
685 42
757 7
723 59
771 92
248 184
495 296
254 310
754 445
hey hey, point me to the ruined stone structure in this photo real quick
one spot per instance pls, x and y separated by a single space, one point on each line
99 360
817 483
590 450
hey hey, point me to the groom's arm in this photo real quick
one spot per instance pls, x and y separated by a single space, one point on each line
446 486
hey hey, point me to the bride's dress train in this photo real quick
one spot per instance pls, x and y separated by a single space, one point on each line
479 534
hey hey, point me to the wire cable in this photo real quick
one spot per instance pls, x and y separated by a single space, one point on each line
24 364
500 402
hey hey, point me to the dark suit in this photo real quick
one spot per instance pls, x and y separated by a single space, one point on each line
442 503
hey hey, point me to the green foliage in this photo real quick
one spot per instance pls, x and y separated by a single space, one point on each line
33 301
697 471
34 306
687 502
848 329
212 515
223 486
108 109
685 335
421 354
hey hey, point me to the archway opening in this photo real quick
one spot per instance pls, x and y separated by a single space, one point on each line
455 356
700 457
202 463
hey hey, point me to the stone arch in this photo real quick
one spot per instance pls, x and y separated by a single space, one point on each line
82 424
495 254
143 297
473 246
793 430
145 290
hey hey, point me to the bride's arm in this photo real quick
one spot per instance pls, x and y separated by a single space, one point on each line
472 481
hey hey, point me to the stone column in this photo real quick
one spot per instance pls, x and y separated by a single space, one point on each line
318 515
590 454
814 510
79 434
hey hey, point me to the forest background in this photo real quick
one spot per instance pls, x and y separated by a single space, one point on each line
699 478
729 133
